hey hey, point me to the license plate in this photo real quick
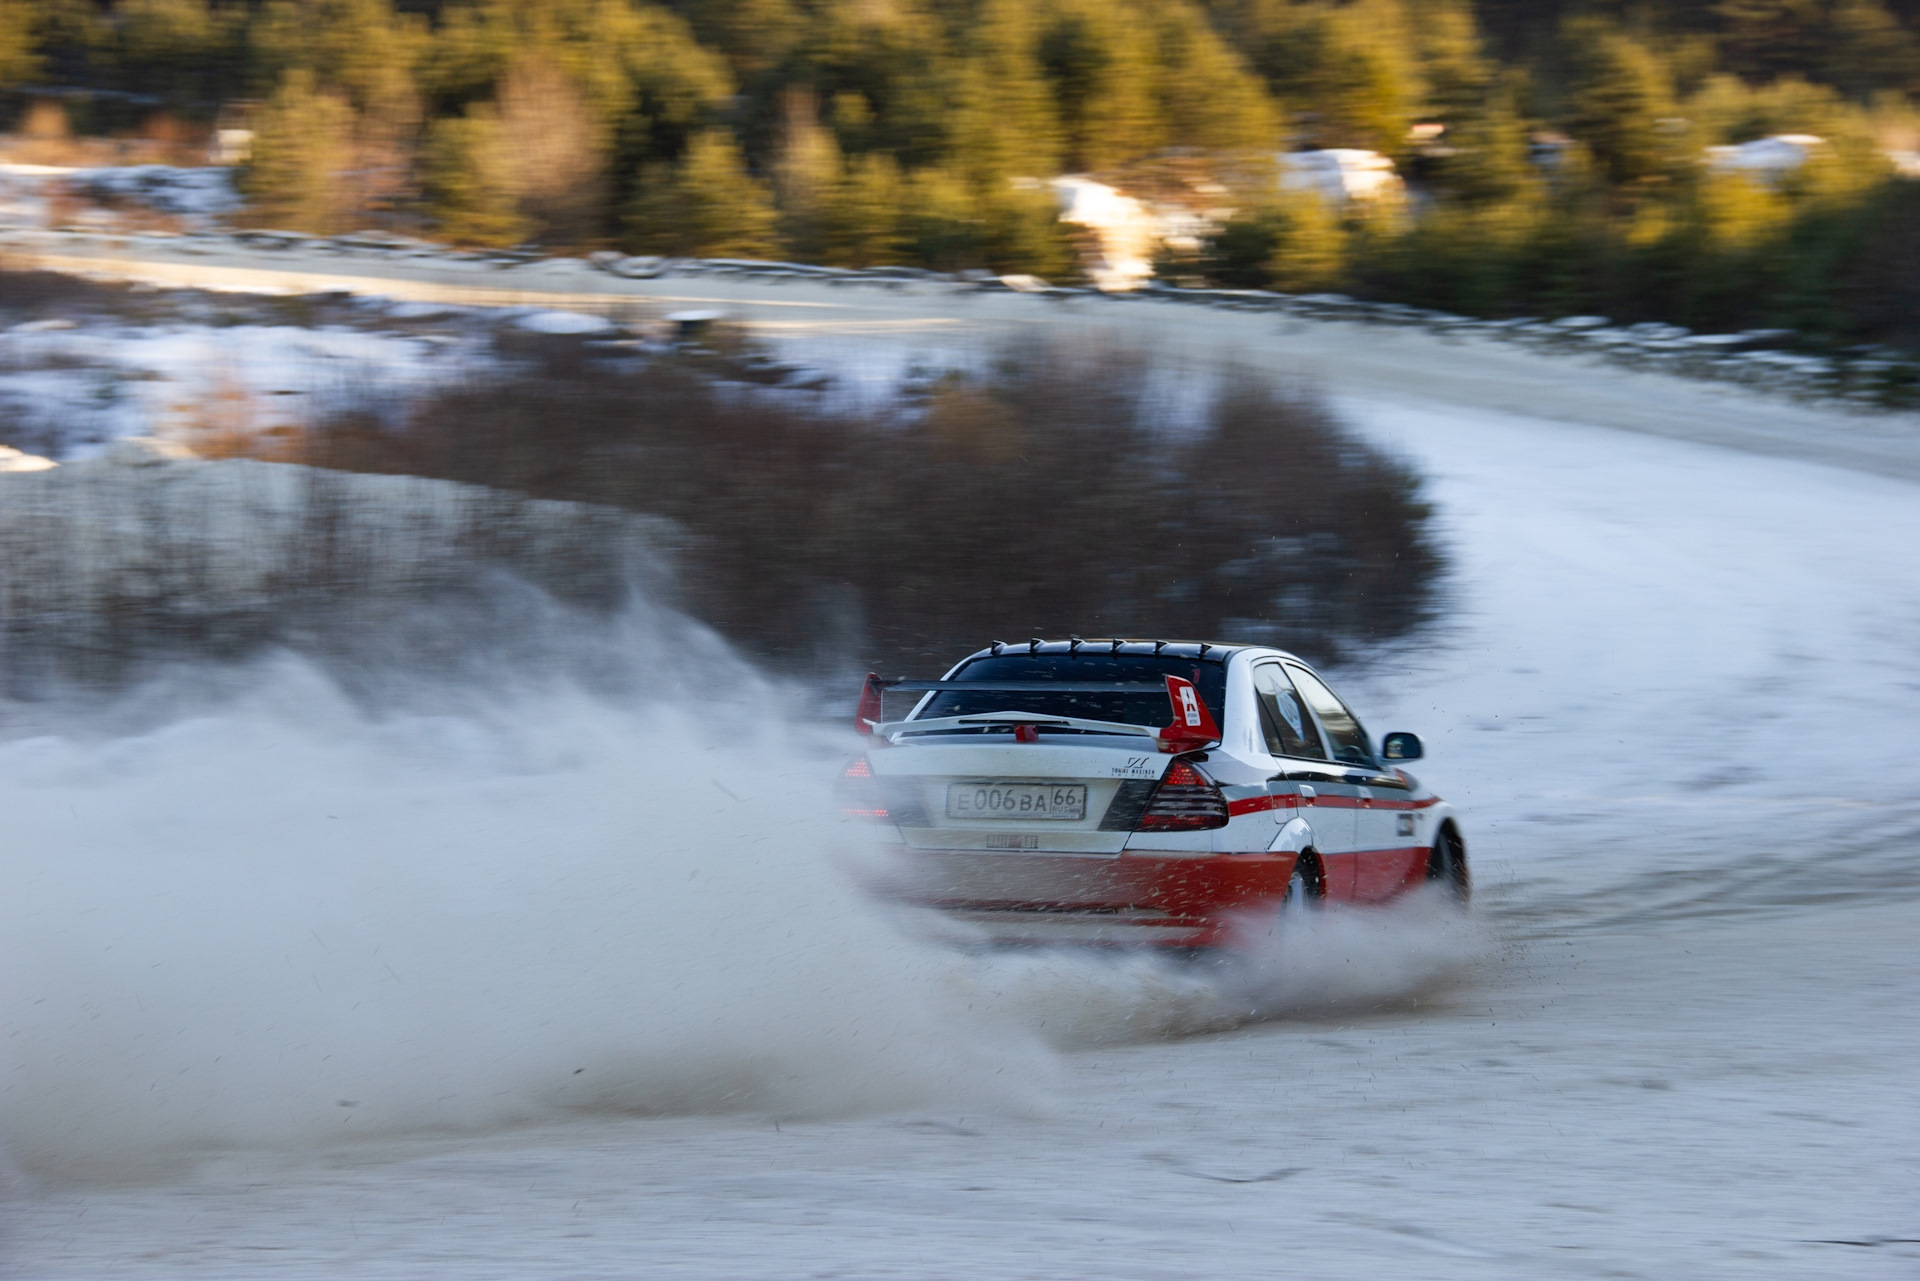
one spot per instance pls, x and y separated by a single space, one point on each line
1044 802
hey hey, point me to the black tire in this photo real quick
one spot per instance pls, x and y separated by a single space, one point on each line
1307 887
1447 864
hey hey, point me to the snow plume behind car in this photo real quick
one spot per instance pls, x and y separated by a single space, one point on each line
475 861
269 917
1330 963
244 911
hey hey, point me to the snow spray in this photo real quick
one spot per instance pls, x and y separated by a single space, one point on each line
284 919
260 906
1332 961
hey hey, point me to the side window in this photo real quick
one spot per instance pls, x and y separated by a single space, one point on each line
1289 729
1350 744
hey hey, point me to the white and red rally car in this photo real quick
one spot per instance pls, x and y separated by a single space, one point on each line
1141 792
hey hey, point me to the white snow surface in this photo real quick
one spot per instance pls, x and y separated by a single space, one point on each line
70 390
1341 174
197 196
564 322
1673 695
205 192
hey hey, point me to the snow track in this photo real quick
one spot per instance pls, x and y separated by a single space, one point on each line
1674 697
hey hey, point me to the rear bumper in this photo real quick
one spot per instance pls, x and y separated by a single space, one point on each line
1130 900
1017 927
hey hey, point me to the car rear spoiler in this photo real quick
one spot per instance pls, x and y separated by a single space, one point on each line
1192 728
1012 720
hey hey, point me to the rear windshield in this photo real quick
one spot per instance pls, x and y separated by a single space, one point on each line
1130 709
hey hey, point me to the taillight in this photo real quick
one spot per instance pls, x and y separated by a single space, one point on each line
860 792
1185 801
870 710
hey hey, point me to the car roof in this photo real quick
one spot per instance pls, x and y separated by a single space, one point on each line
1204 651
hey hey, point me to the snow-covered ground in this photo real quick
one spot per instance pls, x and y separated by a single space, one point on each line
1674 695
104 196
71 391
188 365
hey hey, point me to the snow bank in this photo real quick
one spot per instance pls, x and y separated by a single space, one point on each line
12 460
197 196
564 322
1124 231
206 193
1341 175
1768 159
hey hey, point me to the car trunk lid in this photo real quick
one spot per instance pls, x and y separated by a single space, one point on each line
1068 793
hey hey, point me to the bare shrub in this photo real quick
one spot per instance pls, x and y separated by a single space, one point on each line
31 294
1045 495
111 567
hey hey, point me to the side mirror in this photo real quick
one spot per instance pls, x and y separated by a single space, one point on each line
1402 746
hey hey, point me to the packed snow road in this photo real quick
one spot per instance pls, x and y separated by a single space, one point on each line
1673 695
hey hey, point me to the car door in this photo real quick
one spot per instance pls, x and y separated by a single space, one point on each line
1305 775
1375 867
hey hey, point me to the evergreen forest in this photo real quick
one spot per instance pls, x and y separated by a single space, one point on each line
1552 150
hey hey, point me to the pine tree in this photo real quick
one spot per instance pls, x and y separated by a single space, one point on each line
1486 160
1004 122
939 225
807 174
1206 96
706 206
1098 60
362 54
302 144
1619 101
861 224
1310 246
184 51
1458 74
470 183
1290 240
1871 51
18 60
361 50
754 35
1021 232
1368 86
1347 75
1736 212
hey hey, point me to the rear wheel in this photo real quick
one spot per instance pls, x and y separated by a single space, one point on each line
1307 887
1447 864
